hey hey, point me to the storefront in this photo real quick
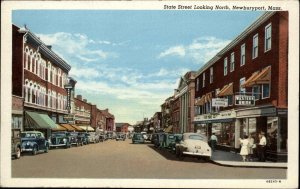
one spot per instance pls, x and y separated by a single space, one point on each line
270 120
17 113
222 124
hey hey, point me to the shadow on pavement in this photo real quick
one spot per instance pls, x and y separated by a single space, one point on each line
171 156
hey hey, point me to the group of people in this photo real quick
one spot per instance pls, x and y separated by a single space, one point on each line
248 145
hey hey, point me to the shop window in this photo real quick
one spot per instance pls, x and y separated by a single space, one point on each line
230 100
256 92
272 133
283 134
265 91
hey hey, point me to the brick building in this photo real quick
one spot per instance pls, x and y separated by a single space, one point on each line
122 127
243 89
38 76
175 113
166 115
83 116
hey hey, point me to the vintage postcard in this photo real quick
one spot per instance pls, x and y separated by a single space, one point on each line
160 94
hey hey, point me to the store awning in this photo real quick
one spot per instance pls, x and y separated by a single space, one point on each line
256 78
77 128
168 129
59 128
35 120
226 90
208 97
86 127
68 127
201 101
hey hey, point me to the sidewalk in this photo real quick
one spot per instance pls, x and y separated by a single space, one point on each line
233 159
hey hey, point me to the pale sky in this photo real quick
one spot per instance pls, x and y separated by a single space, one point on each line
130 61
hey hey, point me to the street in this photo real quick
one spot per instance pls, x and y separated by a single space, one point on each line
121 159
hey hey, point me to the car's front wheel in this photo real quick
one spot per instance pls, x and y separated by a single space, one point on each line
34 150
18 153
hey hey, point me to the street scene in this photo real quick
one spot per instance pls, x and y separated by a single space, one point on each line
132 94
123 159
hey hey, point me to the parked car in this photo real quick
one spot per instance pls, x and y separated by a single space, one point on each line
34 141
92 137
109 135
84 137
60 139
121 136
137 138
16 143
102 137
75 139
172 141
193 144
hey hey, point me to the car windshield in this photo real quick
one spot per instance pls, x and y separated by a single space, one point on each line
28 135
197 137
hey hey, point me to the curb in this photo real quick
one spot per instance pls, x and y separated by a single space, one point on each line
247 166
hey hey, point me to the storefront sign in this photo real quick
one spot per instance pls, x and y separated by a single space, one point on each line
219 102
69 117
244 100
257 112
224 116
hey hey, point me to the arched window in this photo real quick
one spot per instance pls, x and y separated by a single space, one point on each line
49 98
33 63
38 95
59 77
30 60
49 67
26 92
37 70
54 75
26 56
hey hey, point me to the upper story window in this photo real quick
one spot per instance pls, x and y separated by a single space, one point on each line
197 84
232 62
242 81
268 35
255 46
265 91
243 54
211 78
225 66
203 80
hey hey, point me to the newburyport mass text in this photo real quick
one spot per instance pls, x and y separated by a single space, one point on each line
222 7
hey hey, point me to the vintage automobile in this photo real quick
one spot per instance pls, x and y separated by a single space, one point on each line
102 137
193 144
84 138
34 141
93 137
16 143
137 138
157 139
75 139
171 142
60 139
120 136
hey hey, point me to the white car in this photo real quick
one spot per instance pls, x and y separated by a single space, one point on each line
193 144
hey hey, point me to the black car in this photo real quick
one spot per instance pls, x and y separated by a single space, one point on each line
75 139
121 136
84 137
34 141
59 139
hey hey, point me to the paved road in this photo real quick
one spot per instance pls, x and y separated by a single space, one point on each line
121 159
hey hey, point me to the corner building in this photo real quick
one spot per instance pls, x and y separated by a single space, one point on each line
243 89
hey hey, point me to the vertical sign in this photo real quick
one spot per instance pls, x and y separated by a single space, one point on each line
68 88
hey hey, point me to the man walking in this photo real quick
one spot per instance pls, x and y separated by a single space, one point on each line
213 141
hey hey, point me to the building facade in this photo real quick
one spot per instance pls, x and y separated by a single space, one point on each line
39 76
243 89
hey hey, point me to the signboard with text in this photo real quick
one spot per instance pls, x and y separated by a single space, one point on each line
244 100
219 102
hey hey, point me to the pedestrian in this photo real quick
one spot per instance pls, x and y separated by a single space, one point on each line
244 147
251 147
262 146
213 141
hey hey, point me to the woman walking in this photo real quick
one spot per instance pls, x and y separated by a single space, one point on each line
244 149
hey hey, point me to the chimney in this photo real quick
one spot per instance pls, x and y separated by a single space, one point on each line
84 100
79 97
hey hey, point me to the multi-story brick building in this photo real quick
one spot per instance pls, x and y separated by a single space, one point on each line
122 127
108 120
166 115
38 76
83 116
175 113
243 89
156 121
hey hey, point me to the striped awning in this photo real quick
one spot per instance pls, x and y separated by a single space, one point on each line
68 127
87 127
77 128
168 129
59 128
226 90
201 101
256 78
34 120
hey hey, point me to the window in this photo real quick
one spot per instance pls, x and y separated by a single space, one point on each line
255 46
225 66
256 91
232 62
211 78
265 90
268 35
242 89
203 81
230 101
243 56
197 84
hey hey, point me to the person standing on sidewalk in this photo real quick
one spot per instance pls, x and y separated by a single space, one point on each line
250 149
244 149
213 141
262 146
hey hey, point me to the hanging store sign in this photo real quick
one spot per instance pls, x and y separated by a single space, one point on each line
68 88
225 116
219 102
244 100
